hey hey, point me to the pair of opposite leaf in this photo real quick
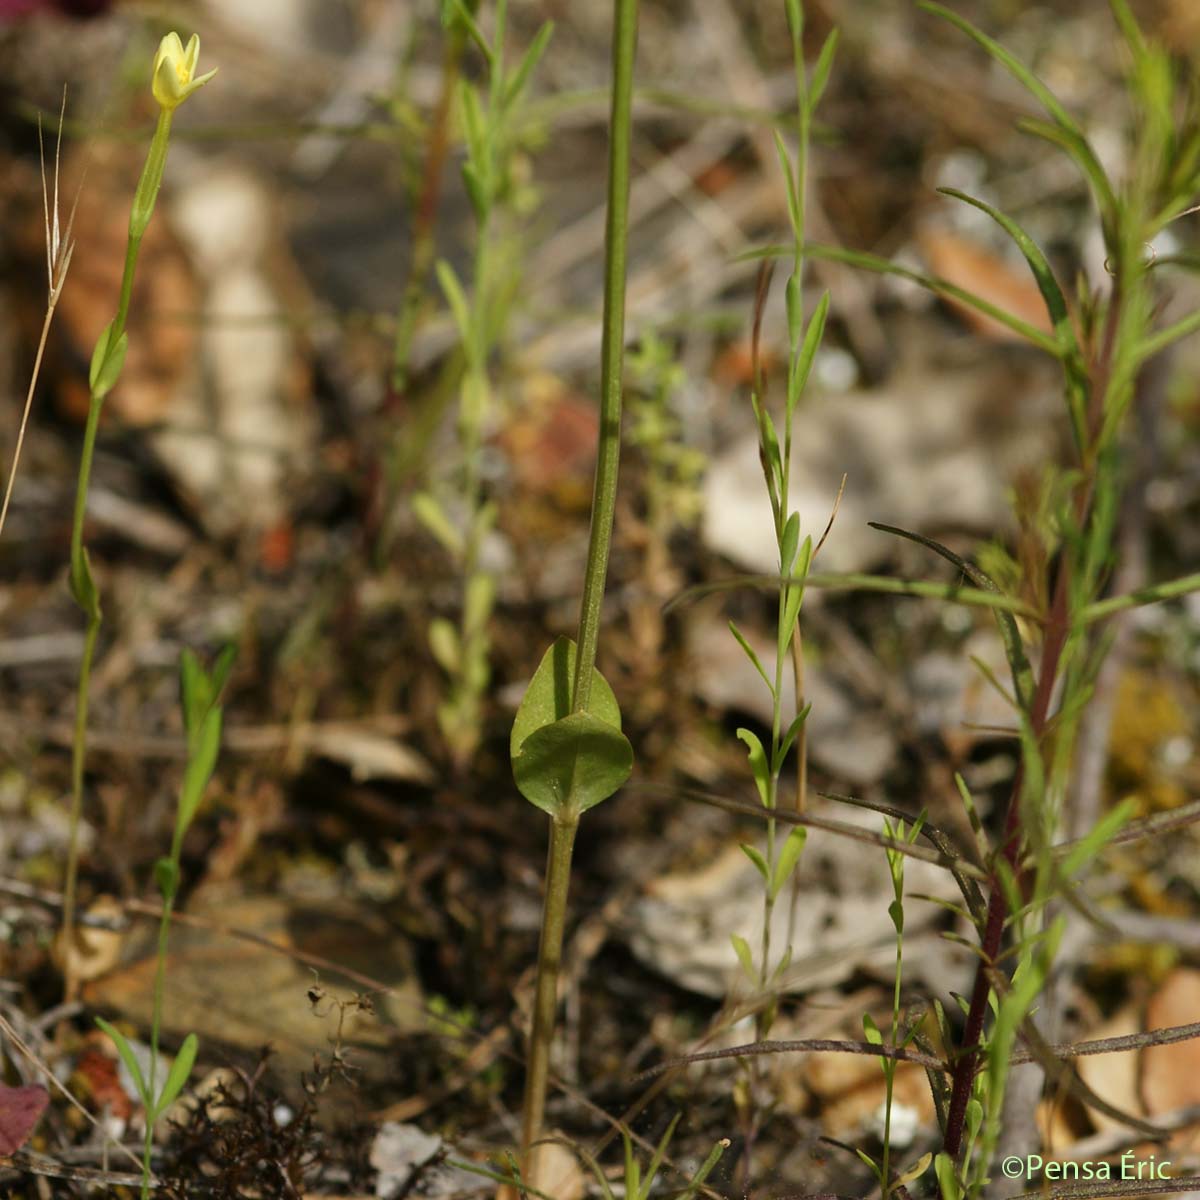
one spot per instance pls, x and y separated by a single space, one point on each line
566 762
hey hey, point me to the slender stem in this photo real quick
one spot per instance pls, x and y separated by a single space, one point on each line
78 745
545 1003
160 984
1056 637
81 582
564 825
612 349
425 214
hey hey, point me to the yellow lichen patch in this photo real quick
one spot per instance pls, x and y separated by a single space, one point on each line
1149 717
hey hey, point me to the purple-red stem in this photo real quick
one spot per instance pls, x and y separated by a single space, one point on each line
1055 639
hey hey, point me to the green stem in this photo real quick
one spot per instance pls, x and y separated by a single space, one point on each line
160 984
1147 595
545 1004
563 827
82 584
77 764
612 348
425 215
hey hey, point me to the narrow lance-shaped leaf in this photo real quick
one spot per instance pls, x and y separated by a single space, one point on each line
199 768
933 283
1052 295
790 736
821 70
742 949
785 165
760 863
125 1050
788 857
751 655
758 764
798 379
178 1075
660 1151
456 11
456 298
1082 154
789 544
520 77
1072 136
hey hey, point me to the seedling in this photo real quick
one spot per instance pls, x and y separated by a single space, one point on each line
202 724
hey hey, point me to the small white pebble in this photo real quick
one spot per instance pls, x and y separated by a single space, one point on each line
905 1123
1177 751
836 369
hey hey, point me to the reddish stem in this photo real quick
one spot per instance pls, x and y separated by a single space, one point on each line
1057 629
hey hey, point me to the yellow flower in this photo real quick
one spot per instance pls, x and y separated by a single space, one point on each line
174 71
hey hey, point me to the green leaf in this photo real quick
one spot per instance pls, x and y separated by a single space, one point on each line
785 165
479 601
769 452
199 690
974 1119
947 1177
933 283
443 641
1078 149
181 1068
798 379
456 12
1056 307
219 675
911 1173
896 912
821 70
529 61
757 859
83 586
573 764
742 949
432 515
456 298
758 764
750 654
194 692
107 360
1088 847
643 1191
199 769
789 544
876 1169
871 1030
548 697
474 126
795 308
795 597
166 878
633 1169
1070 135
479 190
1052 295
125 1050
788 857
790 736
